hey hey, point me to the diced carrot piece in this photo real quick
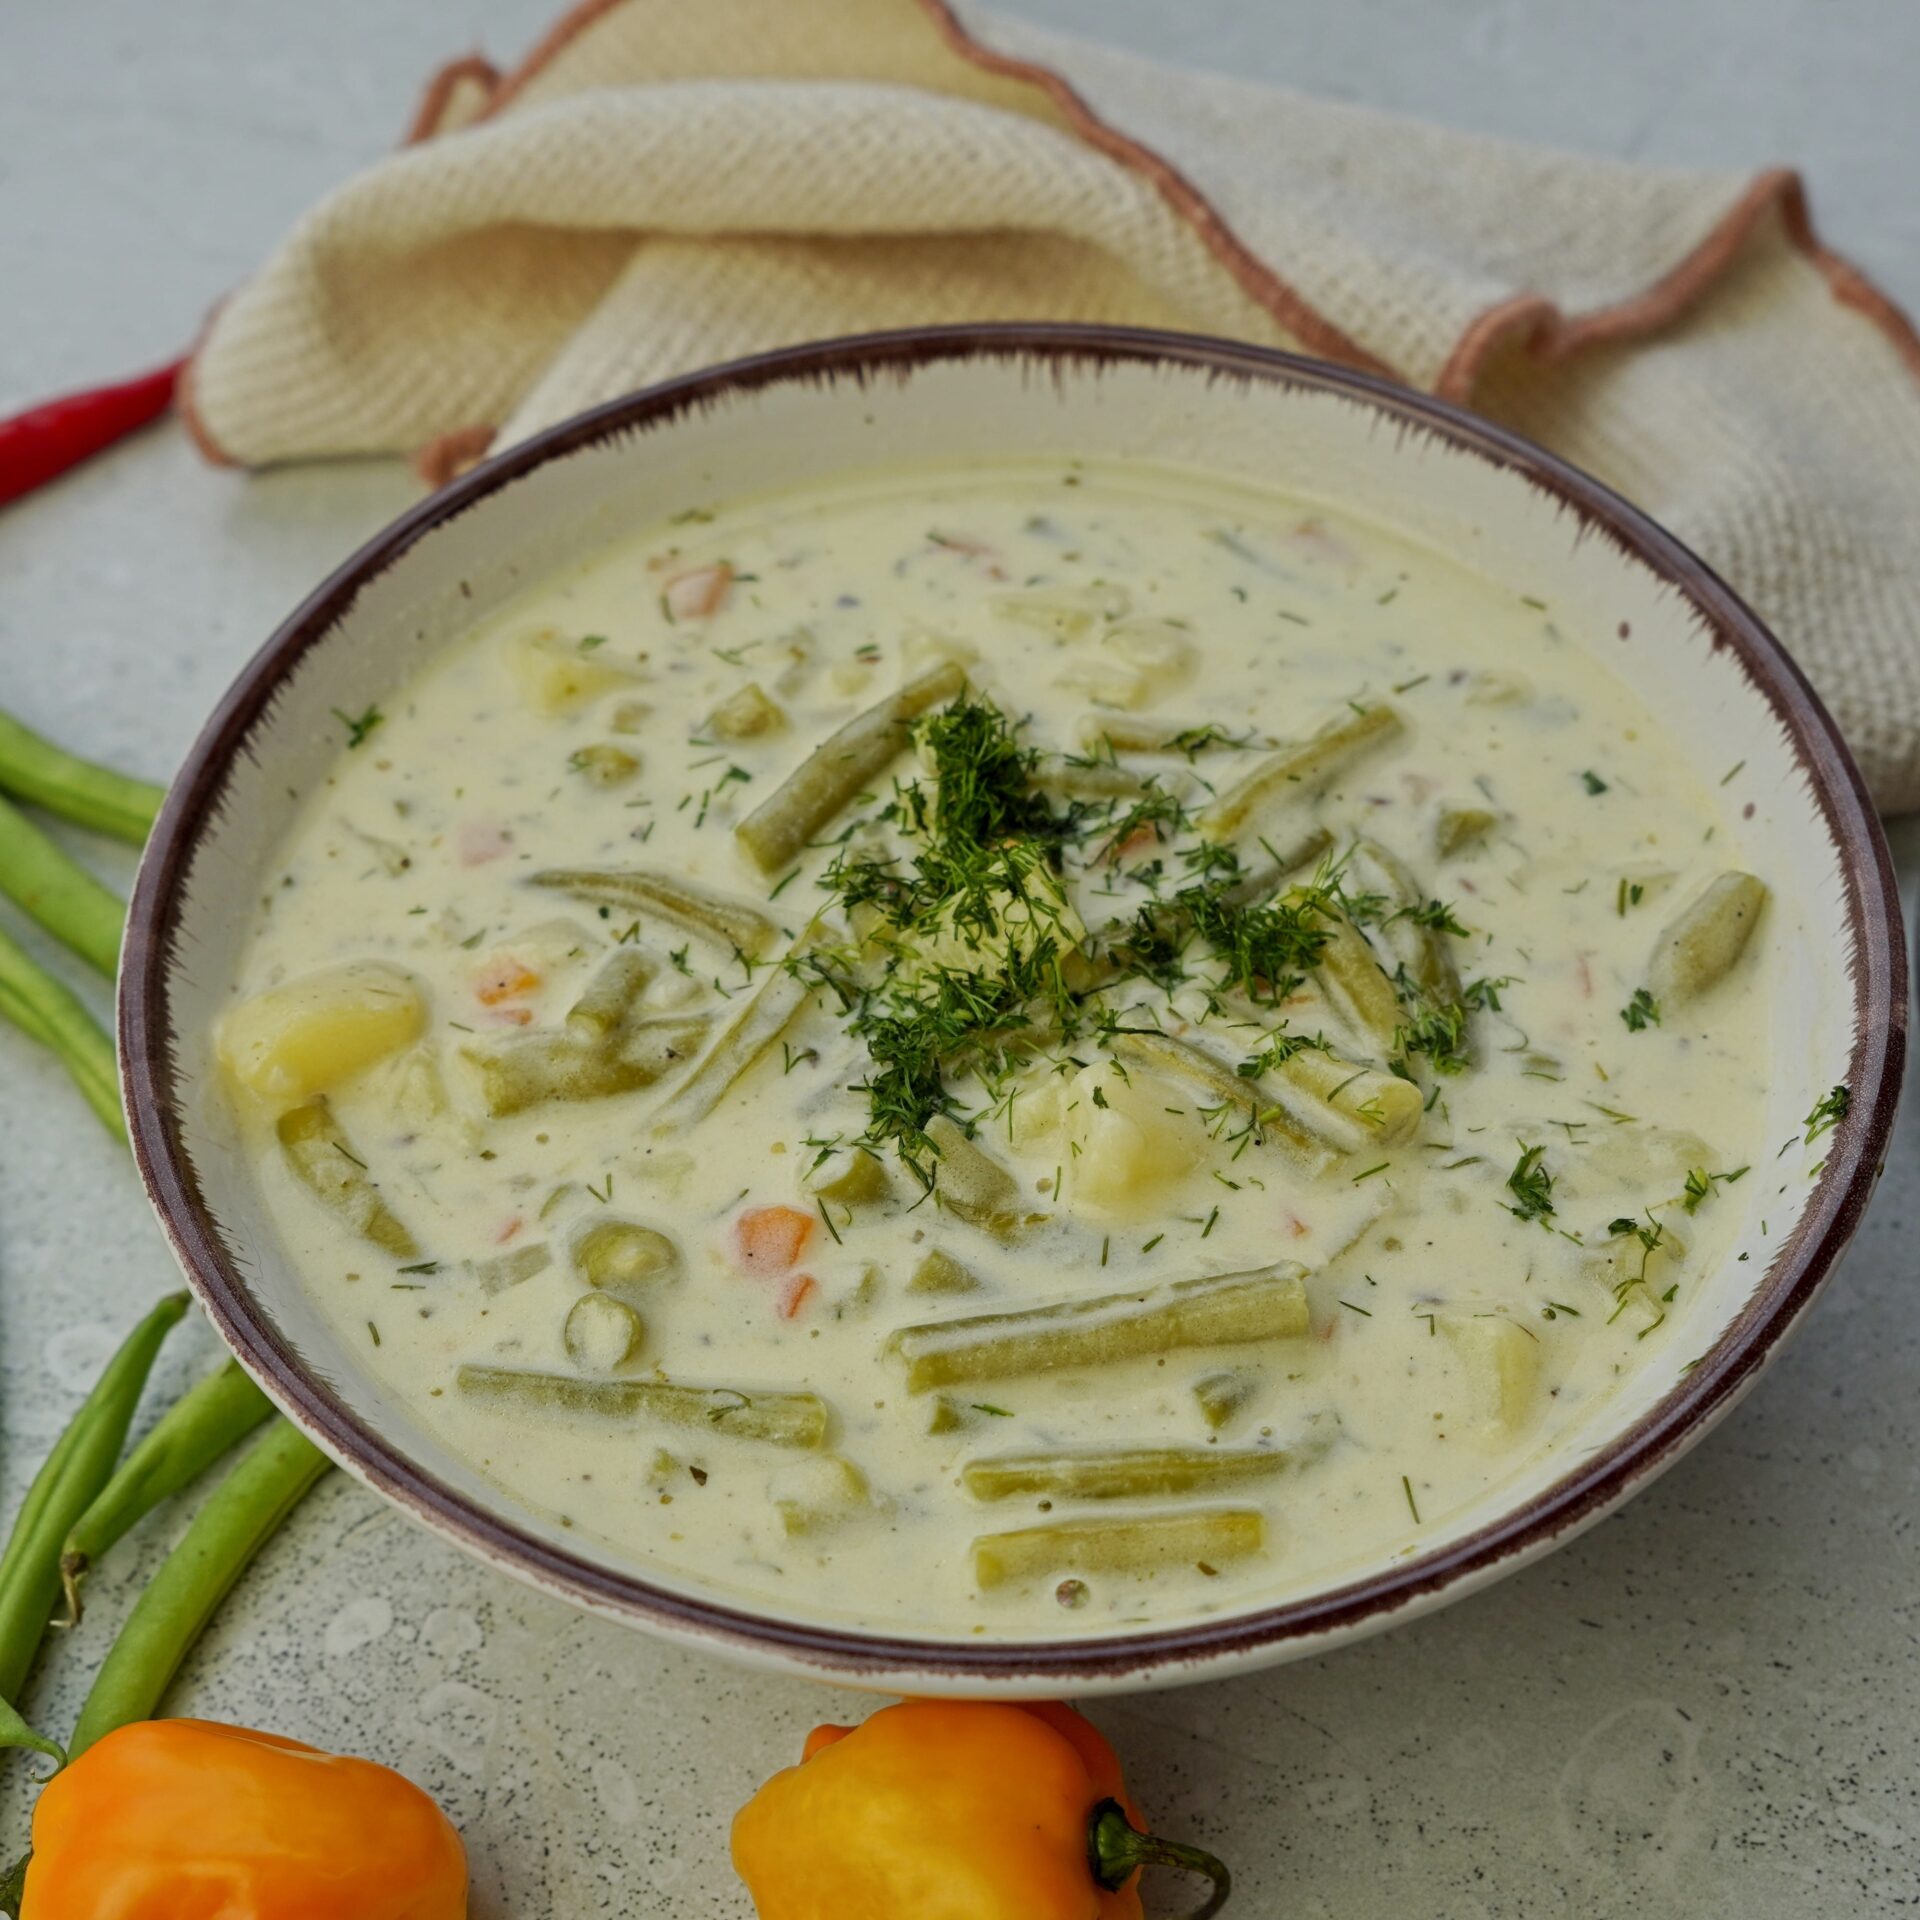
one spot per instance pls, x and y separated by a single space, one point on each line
770 1240
796 1293
699 593
504 978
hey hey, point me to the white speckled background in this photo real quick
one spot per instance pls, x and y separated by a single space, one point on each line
1710 1706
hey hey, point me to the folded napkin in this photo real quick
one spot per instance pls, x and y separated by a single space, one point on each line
661 185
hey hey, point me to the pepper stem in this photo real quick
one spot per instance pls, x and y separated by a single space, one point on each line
1115 1847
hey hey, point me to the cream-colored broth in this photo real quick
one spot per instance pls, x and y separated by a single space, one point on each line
1053 588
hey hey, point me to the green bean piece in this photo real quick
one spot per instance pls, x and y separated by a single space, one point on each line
603 764
1346 1105
839 768
601 1333
1144 733
1420 949
41 1007
1211 1310
945 1415
237 1520
1357 985
48 883
1299 771
1222 1093
853 1177
625 1258
598 1016
1130 1545
36 770
522 1070
940 1272
1701 945
318 1156
973 1186
745 714
1121 1473
1223 1395
766 1014
1302 846
818 1493
1091 780
780 1418
729 924
499 1271
68 1483
204 1425
1460 828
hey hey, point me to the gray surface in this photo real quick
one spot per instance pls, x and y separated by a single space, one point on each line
1712 1704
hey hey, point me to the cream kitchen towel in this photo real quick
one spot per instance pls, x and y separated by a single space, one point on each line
666 183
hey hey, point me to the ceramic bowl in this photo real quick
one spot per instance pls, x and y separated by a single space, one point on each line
1524 518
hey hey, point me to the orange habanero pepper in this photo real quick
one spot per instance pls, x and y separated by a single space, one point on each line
954 1810
186 1820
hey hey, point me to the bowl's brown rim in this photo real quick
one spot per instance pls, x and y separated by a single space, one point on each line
150 1076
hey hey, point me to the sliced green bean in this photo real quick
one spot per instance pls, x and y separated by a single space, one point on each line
601 1333
597 1017
1209 1538
1346 1105
854 1177
1144 733
1222 1395
1357 985
1300 770
1121 1473
1459 828
1221 1091
90 796
206 1423
745 714
40 1006
973 1186
818 1493
625 1258
839 768
1212 1310
1091 779
1419 948
731 924
1304 845
48 883
318 1156
69 1482
237 1520
500 1271
522 1070
780 1418
1703 942
766 1014
940 1272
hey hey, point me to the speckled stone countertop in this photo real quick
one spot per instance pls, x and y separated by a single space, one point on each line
1708 1706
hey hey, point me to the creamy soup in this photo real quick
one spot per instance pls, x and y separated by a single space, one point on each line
1007 1051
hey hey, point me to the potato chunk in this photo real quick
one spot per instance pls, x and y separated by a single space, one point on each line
1502 1362
309 1034
556 676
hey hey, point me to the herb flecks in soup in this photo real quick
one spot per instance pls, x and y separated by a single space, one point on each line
1008 1051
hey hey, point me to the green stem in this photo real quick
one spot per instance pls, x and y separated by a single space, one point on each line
207 1422
35 769
80 1464
39 1005
235 1522
60 893
1117 1848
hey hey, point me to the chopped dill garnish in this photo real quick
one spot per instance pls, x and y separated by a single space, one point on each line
357 730
1827 1112
1531 1185
1592 782
1643 1010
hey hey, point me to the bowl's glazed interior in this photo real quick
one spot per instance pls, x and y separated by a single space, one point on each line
790 419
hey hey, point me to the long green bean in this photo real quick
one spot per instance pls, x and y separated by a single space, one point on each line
206 1423
56 890
1130 1545
1121 1473
79 1466
729 924
237 1520
1222 1091
35 769
1301 769
783 1419
40 1006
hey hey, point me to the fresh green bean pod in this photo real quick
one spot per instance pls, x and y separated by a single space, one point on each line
205 1424
1130 1545
318 1156
1299 771
48 883
730 924
782 1419
1216 1309
236 1521
69 1481
1704 941
1347 1105
597 1017
772 1007
839 768
40 1006
971 1185
36 770
521 1070
1121 1473
1216 1086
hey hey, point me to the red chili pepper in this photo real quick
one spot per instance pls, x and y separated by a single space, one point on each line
42 443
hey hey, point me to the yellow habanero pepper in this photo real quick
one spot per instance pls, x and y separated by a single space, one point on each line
185 1820
954 1810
